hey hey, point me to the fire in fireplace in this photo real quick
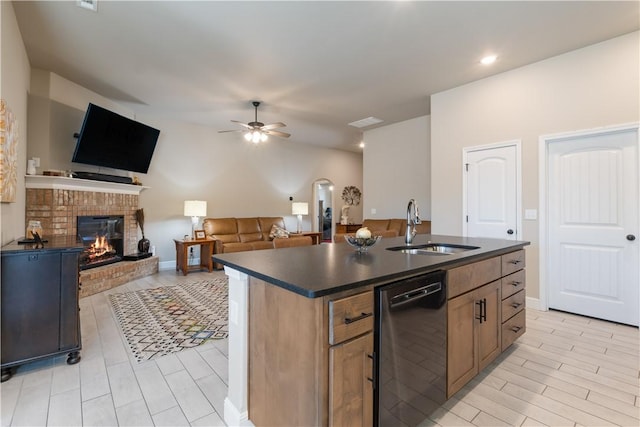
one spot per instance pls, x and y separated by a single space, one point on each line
102 238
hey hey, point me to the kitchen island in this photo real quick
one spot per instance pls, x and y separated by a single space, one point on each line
301 329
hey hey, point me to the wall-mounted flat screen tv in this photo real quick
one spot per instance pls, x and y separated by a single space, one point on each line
110 140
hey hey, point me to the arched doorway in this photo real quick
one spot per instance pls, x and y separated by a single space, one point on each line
323 208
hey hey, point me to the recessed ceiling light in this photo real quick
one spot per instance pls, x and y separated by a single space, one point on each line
366 122
88 4
488 60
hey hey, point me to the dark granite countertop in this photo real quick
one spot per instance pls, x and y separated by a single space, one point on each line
318 270
52 243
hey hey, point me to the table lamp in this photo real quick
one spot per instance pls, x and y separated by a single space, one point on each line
300 208
195 209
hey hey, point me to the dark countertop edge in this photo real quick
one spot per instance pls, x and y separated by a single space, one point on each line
377 280
57 243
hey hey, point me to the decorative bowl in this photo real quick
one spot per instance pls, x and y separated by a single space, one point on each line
361 244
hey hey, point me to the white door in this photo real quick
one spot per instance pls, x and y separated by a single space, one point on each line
492 197
593 224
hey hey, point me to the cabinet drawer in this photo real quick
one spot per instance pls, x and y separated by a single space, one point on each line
512 329
513 283
468 277
512 262
513 305
350 317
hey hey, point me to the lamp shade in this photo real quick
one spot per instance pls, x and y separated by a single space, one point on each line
195 208
300 208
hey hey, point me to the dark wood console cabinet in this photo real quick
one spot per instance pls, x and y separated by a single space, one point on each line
39 303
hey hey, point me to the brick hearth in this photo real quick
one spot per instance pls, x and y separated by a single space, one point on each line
109 276
57 202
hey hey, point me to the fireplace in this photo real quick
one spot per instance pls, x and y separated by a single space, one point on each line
58 201
102 238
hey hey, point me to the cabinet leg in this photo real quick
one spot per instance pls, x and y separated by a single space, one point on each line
73 358
7 373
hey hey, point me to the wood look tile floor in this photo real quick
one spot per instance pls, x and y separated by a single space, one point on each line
567 370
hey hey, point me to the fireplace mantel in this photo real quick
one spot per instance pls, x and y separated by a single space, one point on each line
77 184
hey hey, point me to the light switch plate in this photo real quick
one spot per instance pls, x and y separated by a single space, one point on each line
373 211
530 214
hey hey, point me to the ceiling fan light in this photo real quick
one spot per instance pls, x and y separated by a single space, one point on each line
247 136
264 137
255 137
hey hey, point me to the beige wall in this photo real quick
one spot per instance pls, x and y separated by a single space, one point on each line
586 88
235 177
191 161
14 84
396 168
56 109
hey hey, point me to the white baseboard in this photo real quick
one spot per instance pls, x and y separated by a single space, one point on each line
233 417
534 303
171 265
167 265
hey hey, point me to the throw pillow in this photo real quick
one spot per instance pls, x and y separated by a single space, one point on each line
278 232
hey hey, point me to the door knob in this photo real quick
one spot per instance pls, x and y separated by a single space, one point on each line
509 231
631 237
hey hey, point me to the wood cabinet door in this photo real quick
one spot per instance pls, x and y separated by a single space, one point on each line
489 331
462 346
350 382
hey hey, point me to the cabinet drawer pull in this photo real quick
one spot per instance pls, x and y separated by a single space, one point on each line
516 283
348 320
516 328
482 304
515 261
516 305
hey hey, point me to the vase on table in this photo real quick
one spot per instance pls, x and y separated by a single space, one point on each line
143 245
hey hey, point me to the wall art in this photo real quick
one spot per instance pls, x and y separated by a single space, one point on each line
8 154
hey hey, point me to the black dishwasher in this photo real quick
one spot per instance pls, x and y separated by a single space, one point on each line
411 348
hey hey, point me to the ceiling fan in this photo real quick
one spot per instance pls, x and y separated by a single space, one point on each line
256 131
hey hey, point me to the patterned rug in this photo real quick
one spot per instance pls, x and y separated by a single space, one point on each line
164 320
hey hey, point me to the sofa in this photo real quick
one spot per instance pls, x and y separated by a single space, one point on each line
393 227
248 234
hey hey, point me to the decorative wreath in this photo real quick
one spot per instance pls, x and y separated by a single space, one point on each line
351 195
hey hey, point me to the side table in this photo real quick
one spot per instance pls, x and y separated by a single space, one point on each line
182 254
346 228
316 237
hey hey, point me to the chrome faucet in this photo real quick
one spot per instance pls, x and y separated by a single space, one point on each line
411 231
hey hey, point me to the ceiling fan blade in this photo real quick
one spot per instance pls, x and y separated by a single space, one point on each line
273 126
242 124
237 130
277 133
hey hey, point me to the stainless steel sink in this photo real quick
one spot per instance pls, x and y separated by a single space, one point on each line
433 249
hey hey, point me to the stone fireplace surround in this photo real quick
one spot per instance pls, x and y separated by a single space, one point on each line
57 202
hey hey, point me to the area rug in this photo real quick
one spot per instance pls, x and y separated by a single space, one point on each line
159 321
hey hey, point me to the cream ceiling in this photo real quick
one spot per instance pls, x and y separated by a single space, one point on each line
316 66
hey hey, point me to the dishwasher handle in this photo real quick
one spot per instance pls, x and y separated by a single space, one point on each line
415 294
